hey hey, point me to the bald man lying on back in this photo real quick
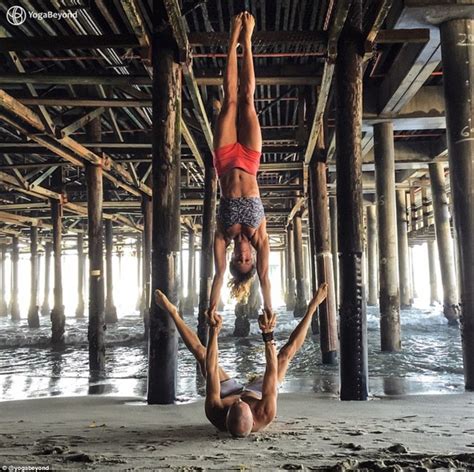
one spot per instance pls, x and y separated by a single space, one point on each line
231 406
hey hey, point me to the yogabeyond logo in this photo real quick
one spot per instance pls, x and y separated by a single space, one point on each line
17 15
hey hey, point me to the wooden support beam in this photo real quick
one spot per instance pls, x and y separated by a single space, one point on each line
79 123
44 194
66 79
339 16
376 17
341 10
402 36
19 115
41 178
16 172
136 20
296 208
188 137
87 102
53 43
15 257
289 75
263 39
46 118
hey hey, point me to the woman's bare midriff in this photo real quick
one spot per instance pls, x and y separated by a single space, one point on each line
237 183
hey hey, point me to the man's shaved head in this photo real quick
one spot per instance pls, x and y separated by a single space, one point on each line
239 419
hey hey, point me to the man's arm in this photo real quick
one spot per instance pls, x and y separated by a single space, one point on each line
263 257
220 266
213 385
270 379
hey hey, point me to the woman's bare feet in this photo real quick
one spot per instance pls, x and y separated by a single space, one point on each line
162 301
248 25
235 29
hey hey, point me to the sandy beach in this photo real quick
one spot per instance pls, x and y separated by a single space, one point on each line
310 433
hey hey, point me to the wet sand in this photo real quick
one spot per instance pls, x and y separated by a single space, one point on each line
310 433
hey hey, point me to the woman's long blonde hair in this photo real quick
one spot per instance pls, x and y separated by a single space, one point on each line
240 283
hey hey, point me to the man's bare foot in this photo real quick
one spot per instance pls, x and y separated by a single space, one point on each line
235 29
248 25
321 294
162 301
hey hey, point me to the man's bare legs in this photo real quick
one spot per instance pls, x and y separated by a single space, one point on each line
249 133
298 336
189 337
226 127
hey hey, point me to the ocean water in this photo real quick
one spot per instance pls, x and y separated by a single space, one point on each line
430 360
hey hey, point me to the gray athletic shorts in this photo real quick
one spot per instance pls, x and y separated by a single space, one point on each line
234 387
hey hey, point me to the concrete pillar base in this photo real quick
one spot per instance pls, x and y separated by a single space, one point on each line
300 308
3 309
111 314
329 358
15 311
33 317
58 320
242 323
80 309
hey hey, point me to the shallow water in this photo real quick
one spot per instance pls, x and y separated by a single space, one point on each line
430 362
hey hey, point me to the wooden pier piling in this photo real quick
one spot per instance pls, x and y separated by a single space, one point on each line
110 309
457 46
404 268
3 301
33 315
445 242
95 196
290 264
389 292
48 249
58 318
147 210
373 272
15 257
352 311
80 276
207 253
166 142
324 265
300 301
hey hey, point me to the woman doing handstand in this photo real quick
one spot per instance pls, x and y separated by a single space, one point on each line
237 151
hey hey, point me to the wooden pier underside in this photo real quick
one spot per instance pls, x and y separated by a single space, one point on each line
57 76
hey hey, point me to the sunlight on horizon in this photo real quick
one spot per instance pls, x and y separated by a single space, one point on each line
126 289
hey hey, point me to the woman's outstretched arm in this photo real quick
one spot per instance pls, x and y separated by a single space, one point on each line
263 261
220 267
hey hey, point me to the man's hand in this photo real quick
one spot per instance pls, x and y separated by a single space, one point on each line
267 321
214 320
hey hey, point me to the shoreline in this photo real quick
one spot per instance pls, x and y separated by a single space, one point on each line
310 433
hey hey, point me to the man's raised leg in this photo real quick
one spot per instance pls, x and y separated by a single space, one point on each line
298 336
189 337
